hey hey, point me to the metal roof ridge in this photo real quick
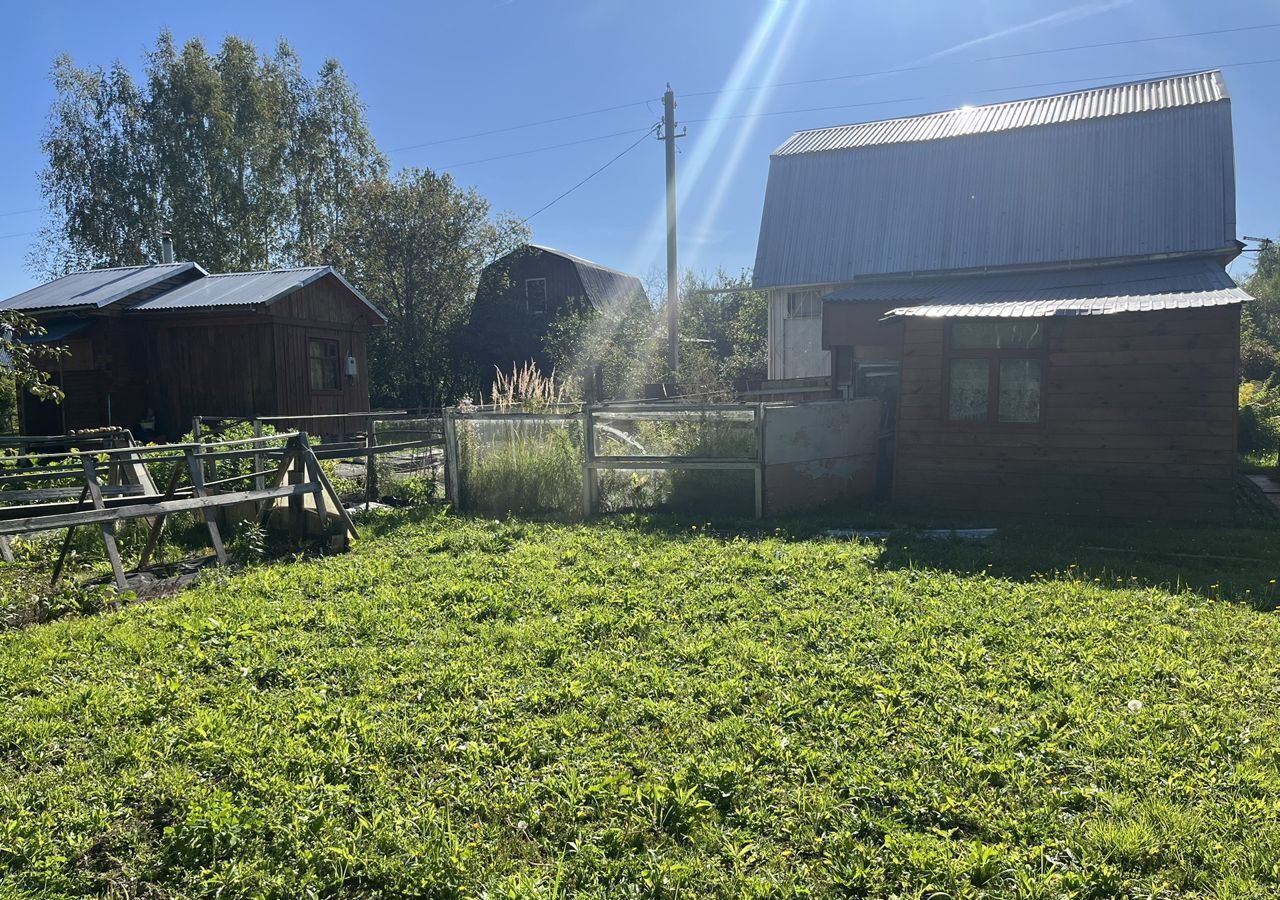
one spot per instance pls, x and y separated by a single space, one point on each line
1079 96
582 260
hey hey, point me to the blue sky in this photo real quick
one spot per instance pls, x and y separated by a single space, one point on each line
430 72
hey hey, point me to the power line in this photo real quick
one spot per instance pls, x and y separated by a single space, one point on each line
1154 72
1146 40
589 177
507 128
598 137
19 212
918 68
18 234
783 112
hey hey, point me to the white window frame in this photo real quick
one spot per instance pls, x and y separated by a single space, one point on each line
529 306
804 305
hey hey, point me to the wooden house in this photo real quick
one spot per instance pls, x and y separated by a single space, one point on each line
149 347
523 292
1037 289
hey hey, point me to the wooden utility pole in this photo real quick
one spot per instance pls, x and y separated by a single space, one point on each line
673 276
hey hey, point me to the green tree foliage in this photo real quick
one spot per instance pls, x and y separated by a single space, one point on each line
725 327
416 245
723 337
247 160
623 339
1260 320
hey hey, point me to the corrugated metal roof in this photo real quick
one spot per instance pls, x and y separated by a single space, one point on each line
1115 186
98 288
1075 106
243 289
604 286
1083 291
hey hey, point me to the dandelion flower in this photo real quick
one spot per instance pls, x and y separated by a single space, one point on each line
1135 706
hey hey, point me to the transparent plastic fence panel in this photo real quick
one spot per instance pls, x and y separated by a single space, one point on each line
521 463
701 434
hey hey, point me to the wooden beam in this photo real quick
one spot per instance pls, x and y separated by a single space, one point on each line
107 527
150 510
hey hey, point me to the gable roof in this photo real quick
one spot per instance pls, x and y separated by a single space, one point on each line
1084 291
603 286
100 288
1126 171
245 290
1074 106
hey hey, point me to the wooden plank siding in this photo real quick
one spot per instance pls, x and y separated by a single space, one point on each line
210 366
1138 420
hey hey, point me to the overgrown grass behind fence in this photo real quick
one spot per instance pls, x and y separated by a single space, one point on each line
521 465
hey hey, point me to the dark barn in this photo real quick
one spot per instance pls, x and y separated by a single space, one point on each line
1037 289
522 293
149 347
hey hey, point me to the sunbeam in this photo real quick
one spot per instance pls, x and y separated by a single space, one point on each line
705 146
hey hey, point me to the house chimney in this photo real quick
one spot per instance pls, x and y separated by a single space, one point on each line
166 247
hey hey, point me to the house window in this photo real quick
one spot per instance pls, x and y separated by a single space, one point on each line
803 305
322 363
535 295
995 370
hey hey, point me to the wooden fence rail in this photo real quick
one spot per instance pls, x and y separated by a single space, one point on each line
375 422
129 493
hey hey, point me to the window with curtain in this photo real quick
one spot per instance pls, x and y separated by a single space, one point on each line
995 370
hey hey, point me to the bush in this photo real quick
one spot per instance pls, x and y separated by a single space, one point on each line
1258 422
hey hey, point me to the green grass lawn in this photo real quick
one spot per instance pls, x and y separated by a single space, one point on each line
641 708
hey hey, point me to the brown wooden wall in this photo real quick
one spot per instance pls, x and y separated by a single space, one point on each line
193 362
210 367
322 310
1138 420
501 330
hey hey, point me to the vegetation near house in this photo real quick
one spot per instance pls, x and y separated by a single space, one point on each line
247 159
418 243
253 164
506 709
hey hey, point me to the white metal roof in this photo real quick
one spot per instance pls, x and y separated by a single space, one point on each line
1076 106
1186 283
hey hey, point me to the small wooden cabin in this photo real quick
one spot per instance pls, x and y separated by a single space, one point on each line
522 293
149 347
1035 289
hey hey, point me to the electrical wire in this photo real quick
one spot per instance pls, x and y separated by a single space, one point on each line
1146 40
507 128
598 137
589 177
783 112
1155 72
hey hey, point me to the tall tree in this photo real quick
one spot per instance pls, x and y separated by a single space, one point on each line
415 245
1260 320
244 158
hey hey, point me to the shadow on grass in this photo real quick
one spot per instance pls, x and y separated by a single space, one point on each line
1239 563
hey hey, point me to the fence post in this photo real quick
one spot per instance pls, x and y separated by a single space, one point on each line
259 481
297 475
370 464
452 460
108 532
760 460
588 463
